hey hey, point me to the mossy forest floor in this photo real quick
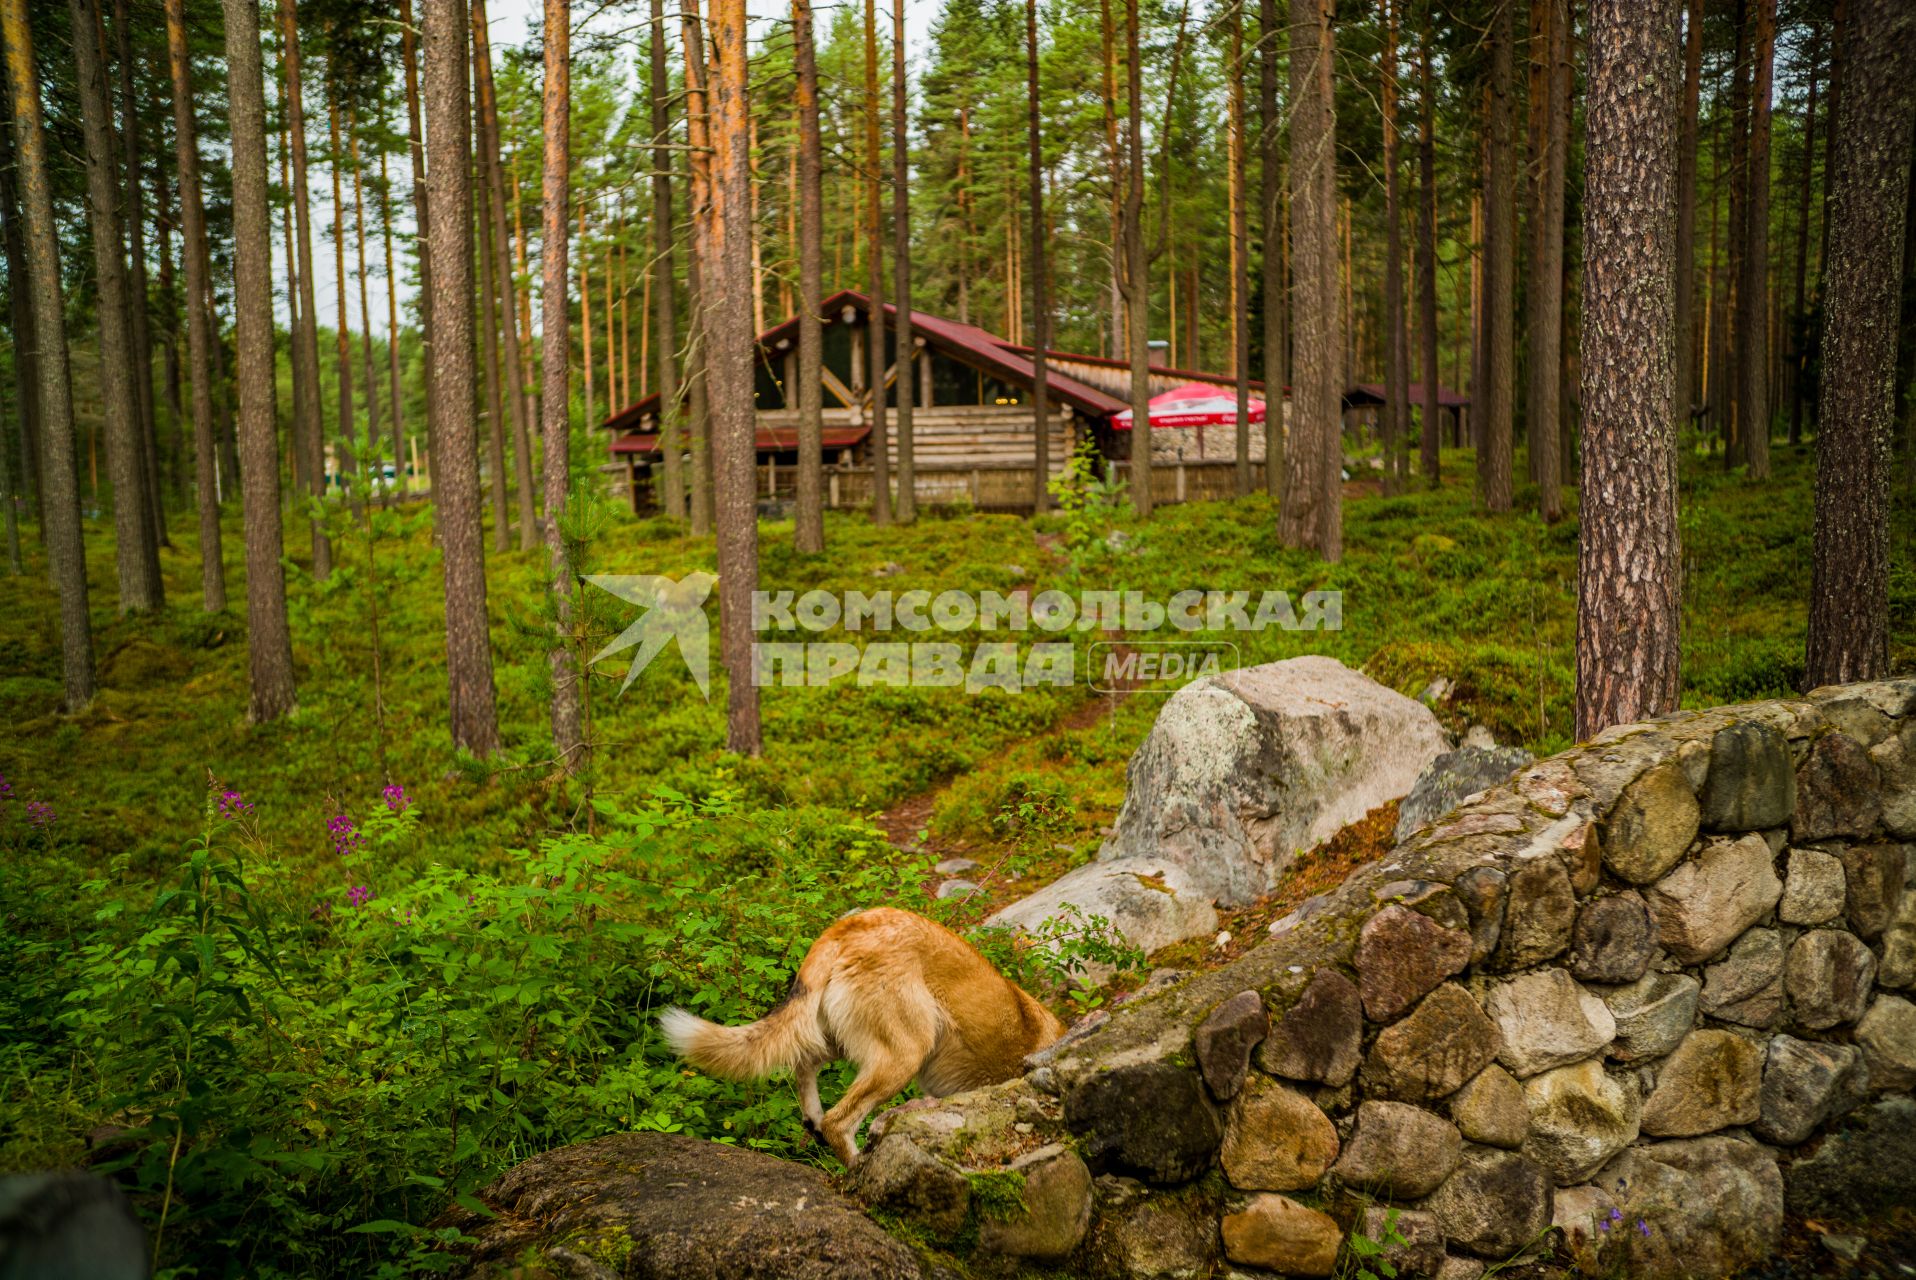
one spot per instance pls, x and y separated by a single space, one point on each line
330 1040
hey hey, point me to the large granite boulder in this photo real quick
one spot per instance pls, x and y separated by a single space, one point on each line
1240 772
1244 770
664 1206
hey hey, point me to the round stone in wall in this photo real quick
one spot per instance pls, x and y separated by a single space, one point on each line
1712 1081
1813 889
1828 977
1580 1116
1614 939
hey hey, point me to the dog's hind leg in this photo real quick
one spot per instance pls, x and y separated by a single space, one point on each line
806 1074
884 1077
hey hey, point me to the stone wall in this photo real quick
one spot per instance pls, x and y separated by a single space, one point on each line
1606 1008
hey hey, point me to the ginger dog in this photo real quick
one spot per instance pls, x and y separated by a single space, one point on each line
902 997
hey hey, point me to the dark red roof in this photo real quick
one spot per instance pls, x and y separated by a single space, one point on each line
1364 394
1156 370
965 342
1008 361
770 439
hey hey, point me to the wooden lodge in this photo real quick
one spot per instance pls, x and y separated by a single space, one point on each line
972 418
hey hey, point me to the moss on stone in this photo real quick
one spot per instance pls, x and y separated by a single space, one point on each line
998 1194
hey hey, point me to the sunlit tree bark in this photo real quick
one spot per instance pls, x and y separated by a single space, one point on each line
568 735
664 286
472 703
269 645
733 352
809 533
59 480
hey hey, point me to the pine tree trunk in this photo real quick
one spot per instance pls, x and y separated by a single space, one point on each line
374 473
1040 304
20 316
308 431
135 194
665 289
1686 213
1752 330
1870 153
809 533
528 379
1479 332
733 353
494 176
1500 236
1312 516
198 339
1730 398
1114 167
8 493
568 735
1431 440
136 554
1240 254
472 711
398 394
296 461
164 223
698 132
1799 314
1396 341
59 482
489 318
907 506
1629 597
226 436
875 321
422 215
342 334
1137 281
269 645
585 316
1271 261
1543 414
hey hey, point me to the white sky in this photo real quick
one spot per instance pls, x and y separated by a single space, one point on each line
511 23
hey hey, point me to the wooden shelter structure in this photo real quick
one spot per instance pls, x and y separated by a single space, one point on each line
972 420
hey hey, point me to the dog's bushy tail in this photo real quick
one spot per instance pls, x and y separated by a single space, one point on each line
787 1035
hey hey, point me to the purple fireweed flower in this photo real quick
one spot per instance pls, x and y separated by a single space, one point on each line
396 798
345 835
1605 1224
233 805
40 813
358 894
6 788
1643 1227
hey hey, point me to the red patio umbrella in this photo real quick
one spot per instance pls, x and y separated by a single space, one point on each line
1195 404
